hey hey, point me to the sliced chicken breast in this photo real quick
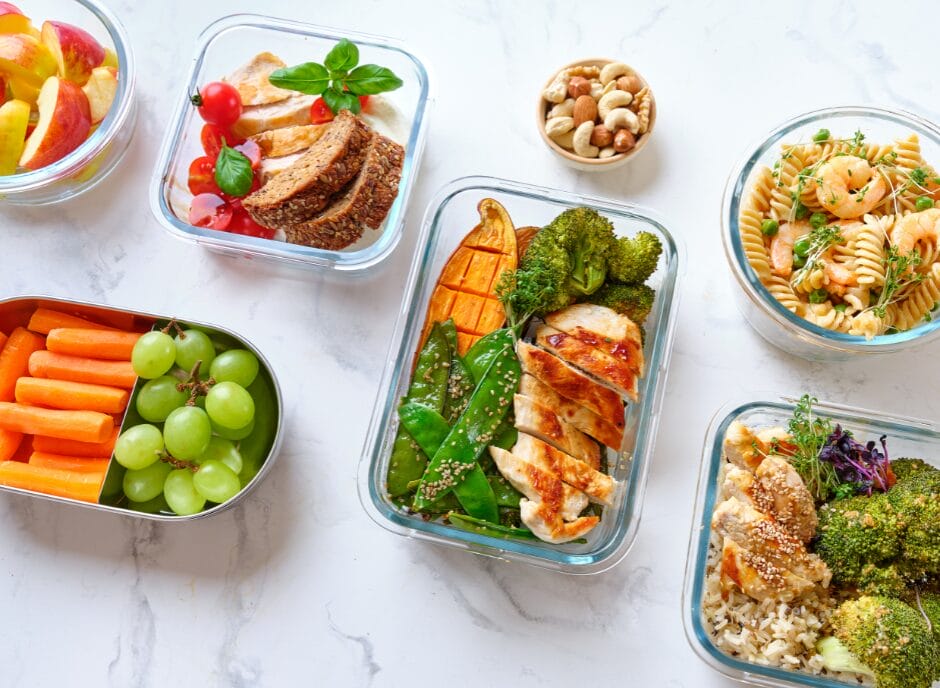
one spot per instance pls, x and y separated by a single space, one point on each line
757 577
603 328
253 84
740 447
601 366
571 383
548 525
598 486
271 167
534 419
584 420
287 140
792 505
539 485
290 112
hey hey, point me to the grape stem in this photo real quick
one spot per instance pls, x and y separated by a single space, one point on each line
195 386
173 325
179 463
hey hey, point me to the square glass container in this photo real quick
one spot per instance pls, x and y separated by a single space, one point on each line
906 437
226 45
451 215
762 311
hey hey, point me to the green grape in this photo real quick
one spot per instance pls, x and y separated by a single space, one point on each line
153 355
151 506
223 450
192 346
180 494
158 397
230 405
187 432
216 482
235 365
237 434
139 446
146 483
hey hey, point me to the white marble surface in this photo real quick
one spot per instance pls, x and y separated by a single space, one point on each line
298 586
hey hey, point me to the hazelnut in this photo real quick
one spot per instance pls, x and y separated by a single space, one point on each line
579 86
585 110
601 136
624 141
631 84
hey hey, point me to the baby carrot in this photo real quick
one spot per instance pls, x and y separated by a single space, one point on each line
14 359
3 340
45 320
53 481
68 463
112 345
49 364
88 450
75 396
84 426
9 443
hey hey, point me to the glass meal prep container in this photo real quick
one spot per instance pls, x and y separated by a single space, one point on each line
16 312
231 42
104 148
762 311
906 437
450 216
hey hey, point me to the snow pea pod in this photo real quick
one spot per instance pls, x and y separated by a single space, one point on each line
475 525
460 382
506 494
481 354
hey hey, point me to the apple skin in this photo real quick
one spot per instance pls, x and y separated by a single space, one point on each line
24 91
14 118
23 57
76 51
12 20
64 124
101 88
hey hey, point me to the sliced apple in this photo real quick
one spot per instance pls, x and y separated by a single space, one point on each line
24 91
14 117
110 59
76 51
12 20
64 123
23 57
101 89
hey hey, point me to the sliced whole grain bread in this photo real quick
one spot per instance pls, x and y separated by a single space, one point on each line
304 189
365 203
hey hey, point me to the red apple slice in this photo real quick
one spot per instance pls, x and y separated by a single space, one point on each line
76 51
110 59
101 89
24 91
23 57
14 117
12 20
64 123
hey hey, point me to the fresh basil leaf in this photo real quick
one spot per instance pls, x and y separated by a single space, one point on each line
310 78
338 100
369 79
233 172
343 57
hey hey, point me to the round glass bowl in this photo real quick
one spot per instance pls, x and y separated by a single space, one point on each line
91 162
762 311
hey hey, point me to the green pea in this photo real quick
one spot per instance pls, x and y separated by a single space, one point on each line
802 247
798 261
819 296
769 227
817 220
800 210
841 307
924 203
821 135
892 330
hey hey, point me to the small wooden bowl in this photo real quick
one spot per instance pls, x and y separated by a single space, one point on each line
592 164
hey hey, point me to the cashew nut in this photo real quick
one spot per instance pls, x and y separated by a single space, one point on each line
563 109
597 90
622 118
607 152
556 91
582 141
614 99
565 140
613 70
557 126
587 71
610 87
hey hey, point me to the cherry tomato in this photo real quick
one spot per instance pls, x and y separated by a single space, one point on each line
252 151
202 176
363 101
209 210
212 137
219 103
320 113
243 224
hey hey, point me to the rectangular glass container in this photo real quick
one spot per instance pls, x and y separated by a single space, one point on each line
450 216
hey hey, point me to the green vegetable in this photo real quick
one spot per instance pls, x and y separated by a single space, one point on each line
857 532
841 307
460 382
233 173
802 247
635 259
800 211
923 203
506 494
632 300
821 135
798 261
817 220
338 79
808 433
769 227
479 527
818 296
482 353
836 657
900 272
916 498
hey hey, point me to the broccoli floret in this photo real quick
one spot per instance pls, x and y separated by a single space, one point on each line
856 532
836 657
588 238
891 638
929 604
886 581
916 497
632 300
634 260
903 468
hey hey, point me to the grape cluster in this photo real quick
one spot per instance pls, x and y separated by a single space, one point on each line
186 449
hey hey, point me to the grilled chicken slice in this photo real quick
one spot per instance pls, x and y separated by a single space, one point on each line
276 143
598 486
757 577
290 112
792 505
762 536
585 421
604 329
600 365
548 525
271 167
540 485
743 486
535 419
253 83
741 447
571 383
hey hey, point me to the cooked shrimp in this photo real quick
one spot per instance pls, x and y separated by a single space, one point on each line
781 247
839 274
849 186
915 228
836 272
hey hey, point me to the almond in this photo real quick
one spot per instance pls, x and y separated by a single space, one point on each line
585 110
